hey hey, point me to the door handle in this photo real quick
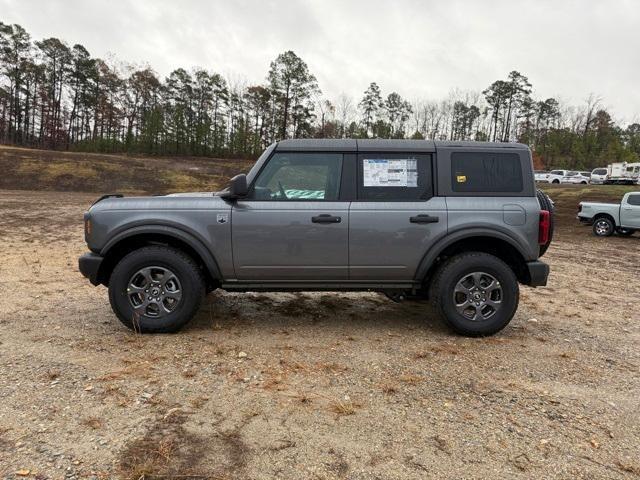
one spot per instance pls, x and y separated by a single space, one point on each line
424 219
326 218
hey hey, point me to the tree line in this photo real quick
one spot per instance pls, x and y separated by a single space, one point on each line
56 96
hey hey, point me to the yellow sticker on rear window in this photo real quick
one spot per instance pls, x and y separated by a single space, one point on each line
461 178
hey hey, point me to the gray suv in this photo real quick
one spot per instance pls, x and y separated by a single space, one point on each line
460 223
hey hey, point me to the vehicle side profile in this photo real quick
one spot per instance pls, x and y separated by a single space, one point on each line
579 178
623 173
598 176
540 175
622 218
459 223
556 176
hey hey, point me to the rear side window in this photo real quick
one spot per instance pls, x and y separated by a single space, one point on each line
634 199
486 172
394 177
557 172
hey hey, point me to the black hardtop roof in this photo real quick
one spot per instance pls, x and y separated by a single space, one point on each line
382 145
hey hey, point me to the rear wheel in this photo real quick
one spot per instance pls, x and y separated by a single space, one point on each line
603 227
475 294
156 289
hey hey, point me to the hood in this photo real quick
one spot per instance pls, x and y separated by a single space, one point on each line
191 194
176 201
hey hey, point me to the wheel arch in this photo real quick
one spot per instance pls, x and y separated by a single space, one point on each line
491 242
132 239
605 215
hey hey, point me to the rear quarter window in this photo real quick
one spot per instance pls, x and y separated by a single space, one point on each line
486 172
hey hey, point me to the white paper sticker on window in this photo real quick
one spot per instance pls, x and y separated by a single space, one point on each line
380 172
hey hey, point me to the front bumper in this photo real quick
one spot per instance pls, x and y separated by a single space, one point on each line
538 273
89 266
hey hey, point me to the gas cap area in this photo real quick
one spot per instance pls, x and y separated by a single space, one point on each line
513 214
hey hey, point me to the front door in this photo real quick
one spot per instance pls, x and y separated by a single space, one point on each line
630 211
293 226
395 219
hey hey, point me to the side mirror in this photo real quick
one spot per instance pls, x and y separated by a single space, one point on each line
237 188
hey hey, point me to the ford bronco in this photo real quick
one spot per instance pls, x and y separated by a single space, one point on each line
459 223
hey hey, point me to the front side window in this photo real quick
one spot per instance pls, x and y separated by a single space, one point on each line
634 200
600 171
486 172
394 177
299 176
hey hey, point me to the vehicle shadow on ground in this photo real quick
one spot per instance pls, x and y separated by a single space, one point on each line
350 313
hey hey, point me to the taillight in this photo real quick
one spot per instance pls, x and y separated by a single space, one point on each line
579 207
544 226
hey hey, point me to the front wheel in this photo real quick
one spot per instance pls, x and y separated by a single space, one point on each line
156 289
476 294
625 232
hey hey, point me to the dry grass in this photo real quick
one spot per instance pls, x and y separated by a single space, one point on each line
411 379
447 348
389 388
166 451
52 374
343 407
94 423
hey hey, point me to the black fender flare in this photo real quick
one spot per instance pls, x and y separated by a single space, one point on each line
196 244
452 237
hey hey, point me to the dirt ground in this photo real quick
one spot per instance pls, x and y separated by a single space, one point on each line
313 386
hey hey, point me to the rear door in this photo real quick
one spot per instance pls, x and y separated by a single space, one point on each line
395 218
293 225
630 211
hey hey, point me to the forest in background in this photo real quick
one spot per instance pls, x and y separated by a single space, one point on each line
60 97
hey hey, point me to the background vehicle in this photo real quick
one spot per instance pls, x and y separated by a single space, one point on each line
556 176
607 218
567 178
540 175
598 176
623 173
334 215
581 178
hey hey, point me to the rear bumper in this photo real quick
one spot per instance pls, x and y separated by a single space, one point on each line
538 273
89 266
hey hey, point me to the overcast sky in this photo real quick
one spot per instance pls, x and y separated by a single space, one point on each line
421 49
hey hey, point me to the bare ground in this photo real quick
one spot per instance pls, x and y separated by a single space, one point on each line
332 385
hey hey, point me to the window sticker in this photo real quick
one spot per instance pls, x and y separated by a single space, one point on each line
380 172
461 178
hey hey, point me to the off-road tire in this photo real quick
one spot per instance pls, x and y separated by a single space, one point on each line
599 230
625 232
447 277
184 268
546 204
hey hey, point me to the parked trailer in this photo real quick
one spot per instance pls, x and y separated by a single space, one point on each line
623 173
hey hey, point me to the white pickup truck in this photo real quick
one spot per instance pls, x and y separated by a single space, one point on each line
607 218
